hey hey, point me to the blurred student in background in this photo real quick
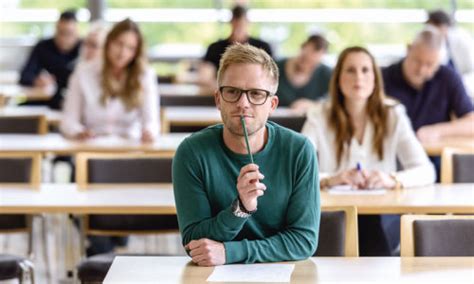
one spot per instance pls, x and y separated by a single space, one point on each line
457 49
239 33
304 78
432 93
117 95
359 135
52 60
92 46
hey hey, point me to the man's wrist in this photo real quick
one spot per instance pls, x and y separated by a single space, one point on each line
242 207
239 210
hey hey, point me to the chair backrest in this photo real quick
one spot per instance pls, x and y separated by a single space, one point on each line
31 124
457 165
20 168
112 168
338 232
437 235
292 122
118 168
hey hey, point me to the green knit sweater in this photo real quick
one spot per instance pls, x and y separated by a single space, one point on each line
286 224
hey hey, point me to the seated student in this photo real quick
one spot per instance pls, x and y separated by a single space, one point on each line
239 33
457 47
92 46
230 209
117 95
357 125
304 78
52 60
432 93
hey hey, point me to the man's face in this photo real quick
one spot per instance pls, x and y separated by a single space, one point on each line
240 29
309 58
67 35
246 76
421 64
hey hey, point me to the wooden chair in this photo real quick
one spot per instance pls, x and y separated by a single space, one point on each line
96 169
22 170
457 165
31 124
338 232
437 235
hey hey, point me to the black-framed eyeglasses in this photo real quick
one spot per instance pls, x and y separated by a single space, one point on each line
254 96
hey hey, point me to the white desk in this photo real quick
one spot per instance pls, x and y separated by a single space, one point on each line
205 116
315 270
55 143
179 89
13 91
139 199
52 116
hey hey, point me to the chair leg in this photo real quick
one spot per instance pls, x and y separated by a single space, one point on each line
27 272
30 250
44 236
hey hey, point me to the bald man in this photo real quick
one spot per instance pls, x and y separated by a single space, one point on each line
431 93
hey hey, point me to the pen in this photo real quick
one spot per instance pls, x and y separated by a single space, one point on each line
242 120
358 167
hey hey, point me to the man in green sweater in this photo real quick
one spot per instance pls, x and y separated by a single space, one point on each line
217 188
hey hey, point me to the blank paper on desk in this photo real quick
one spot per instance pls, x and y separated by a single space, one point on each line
262 272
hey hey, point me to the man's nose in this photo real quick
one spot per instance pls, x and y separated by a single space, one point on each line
243 100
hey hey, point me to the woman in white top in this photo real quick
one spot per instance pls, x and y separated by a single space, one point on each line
117 95
359 125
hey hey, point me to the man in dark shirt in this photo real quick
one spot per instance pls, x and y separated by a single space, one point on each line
52 60
431 93
240 33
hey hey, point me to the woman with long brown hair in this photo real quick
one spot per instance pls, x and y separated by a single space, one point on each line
359 134
116 96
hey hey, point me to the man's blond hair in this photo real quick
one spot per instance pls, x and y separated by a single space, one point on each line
245 53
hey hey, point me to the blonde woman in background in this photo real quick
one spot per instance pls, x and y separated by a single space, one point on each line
117 95
92 45
358 125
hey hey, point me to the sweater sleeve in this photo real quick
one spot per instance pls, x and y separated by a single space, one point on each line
300 238
193 205
417 168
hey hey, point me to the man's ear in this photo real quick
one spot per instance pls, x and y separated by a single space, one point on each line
274 102
217 99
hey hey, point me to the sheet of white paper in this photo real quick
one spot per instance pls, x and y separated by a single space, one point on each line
347 189
262 272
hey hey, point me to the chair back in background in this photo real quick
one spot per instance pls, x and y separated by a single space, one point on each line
34 124
338 232
437 235
457 165
125 168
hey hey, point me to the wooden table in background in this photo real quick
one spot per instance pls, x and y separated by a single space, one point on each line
204 116
436 148
55 143
159 199
13 91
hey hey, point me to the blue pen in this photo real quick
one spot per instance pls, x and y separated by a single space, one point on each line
358 167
